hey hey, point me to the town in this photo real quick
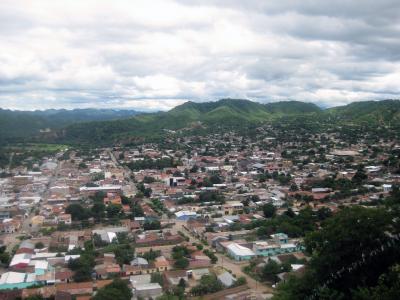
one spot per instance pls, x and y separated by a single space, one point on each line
219 216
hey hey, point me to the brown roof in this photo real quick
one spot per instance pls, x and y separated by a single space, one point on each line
102 283
74 286
10 295
62 275
46 292
63 296
83 298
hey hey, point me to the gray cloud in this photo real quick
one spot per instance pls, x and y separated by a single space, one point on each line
156 55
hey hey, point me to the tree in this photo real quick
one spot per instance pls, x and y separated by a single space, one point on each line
350 254
269 210
182 283
113 210
117 290
208 284
39 245
181 263
4 256
77 211
98 209
136 209
151 225
82 165
123 254
359 177
270 270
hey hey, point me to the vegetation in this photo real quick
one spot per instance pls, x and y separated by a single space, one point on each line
355 255
117 290
208 284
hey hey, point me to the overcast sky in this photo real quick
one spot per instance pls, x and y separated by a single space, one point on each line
153 55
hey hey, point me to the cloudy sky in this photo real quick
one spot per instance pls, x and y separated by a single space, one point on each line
153 55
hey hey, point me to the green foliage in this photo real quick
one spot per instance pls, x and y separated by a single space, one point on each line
151 255
208 196
117 290
207 284
5 257
269 210
77 211
181 263
352 255
211 255
152 225
114 210
39 245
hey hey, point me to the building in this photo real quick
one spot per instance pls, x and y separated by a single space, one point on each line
15 280
239 253
233 208
185 215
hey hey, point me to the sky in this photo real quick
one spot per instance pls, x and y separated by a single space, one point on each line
154 55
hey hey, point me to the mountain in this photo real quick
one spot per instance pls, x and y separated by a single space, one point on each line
292 107
384 112
106 126
225 112
22 124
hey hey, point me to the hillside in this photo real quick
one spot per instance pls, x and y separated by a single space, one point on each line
384 112
105 126
22 124
225 112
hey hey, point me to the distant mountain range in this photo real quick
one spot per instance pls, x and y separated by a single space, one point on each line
102 126
23 124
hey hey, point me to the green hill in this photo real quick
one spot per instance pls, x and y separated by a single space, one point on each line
384 112
207 116
225 112
24 124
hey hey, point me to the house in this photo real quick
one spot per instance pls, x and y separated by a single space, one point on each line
239 252
226 279
63 276
26 247
263 248
147 291
185 215
162 264
10 225
20 261
12 280
76 288
198 273
172 278
142 287
104 271
64 218
280 238
233 208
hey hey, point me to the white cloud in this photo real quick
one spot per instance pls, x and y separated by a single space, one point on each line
154 55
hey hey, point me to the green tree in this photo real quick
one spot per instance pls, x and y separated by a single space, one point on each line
181 263
117 290
269 210
77 211
351 252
